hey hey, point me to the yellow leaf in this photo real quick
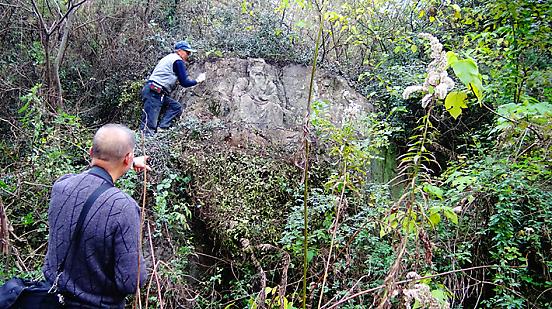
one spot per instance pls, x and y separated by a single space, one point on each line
457 13
422 13
476 88
431 18
454 102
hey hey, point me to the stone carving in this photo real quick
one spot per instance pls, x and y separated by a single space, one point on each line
253 95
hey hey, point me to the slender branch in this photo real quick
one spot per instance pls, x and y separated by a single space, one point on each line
334 232
9 5
345 299
154 269
42 22
529 126
57 23
138 301
306 170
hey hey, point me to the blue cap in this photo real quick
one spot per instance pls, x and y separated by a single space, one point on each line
183 45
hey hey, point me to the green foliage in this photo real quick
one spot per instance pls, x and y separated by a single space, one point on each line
47 148
169 207
517 200
353 145
467 71
272 300
129 103
349 146
477 186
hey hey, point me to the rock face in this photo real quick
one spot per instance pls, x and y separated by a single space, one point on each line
267 99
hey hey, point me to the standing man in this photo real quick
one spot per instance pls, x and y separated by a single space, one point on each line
159 86
102 268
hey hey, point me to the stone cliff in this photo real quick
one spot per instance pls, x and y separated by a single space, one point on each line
255 96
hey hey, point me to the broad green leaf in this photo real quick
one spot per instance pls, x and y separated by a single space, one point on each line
451 58
477 87
468 73
310 255
414 48
451 215
454 102
434 219
462 182
394 224
433 190
439 295
382 231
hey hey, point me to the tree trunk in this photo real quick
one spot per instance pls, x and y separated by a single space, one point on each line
57 62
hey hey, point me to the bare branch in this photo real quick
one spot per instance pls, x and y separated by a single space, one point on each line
343 300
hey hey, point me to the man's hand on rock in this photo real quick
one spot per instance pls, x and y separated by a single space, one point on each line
200 78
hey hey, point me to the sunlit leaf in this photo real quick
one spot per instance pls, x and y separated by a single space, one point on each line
433 191
434 218
457 10
451 58
439 295
454 102
451 215
468 73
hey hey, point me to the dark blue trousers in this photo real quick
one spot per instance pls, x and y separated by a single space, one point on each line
153 103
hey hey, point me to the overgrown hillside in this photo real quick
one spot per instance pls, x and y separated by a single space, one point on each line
421 180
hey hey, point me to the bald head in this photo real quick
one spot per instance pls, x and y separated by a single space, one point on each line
112 142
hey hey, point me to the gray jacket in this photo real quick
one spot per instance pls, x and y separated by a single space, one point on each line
102 269
163 74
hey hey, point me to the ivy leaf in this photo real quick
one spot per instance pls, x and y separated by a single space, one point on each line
454 102
439 295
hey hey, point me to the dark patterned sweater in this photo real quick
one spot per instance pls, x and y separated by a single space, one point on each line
102 269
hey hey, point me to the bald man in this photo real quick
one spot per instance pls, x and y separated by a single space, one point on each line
102 268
